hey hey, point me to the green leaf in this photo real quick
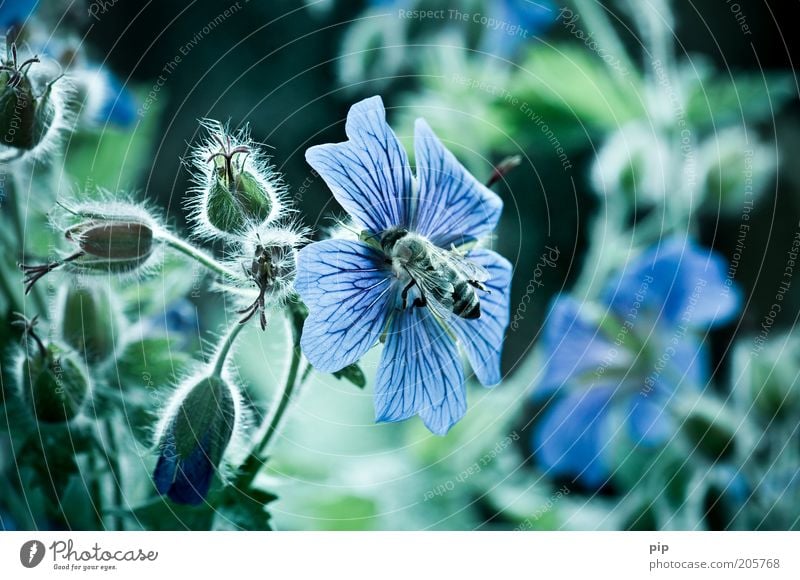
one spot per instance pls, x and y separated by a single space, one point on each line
156 361
725 99
572 82
354 374
175 279
162 514
112 159
246 510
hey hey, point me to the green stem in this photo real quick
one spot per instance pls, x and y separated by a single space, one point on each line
197 255
17 222
225 349
13 302
598 22
112 456
251 465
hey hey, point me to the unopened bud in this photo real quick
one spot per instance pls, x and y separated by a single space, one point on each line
55 385
118 239
90 323
27 112
269 260
236 187
735 167
633 166
710 428
193 437
111 246
769 376
52 380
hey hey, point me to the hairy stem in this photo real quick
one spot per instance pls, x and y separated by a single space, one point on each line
112 456
272 422
18 223
197 255
224 349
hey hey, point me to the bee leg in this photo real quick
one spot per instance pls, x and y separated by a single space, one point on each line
404 293
258 306
248 312
479 285
263 318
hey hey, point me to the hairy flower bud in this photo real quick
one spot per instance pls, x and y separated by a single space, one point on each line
236 188
711 428
90 322
113 246
117 238
52 380
735 169
31 108
192 438
268 257
768 371
634 166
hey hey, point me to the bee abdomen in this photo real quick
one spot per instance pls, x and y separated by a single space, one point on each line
465 301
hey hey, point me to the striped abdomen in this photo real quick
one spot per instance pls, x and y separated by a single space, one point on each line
466 303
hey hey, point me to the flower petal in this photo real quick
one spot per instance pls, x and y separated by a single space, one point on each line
420 373
167 465
650 423
574 346
16 12
482 338
369 175
193 475
680 282
119 104
347 290
569 440
452 207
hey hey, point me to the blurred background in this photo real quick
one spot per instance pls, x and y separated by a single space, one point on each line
579 91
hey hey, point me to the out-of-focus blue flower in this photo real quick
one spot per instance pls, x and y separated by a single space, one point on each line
624 358
515 22
15 12
105 100
181 317
193 436
7 523
354 289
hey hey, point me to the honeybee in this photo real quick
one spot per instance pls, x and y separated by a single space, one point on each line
447 282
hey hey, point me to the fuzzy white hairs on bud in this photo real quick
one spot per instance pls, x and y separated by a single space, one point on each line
235 187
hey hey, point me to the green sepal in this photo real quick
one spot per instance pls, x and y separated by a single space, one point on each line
354 374
54 385
205 417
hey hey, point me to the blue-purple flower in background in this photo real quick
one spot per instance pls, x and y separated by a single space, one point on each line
15 12
104 101
192 436
623 359
414 276
512 23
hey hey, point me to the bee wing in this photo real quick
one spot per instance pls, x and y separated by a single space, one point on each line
460 262
436 289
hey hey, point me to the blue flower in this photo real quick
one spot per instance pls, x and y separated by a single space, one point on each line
105 100
623 359
520 20
7 523
15 12
355 289
192 440
119 105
